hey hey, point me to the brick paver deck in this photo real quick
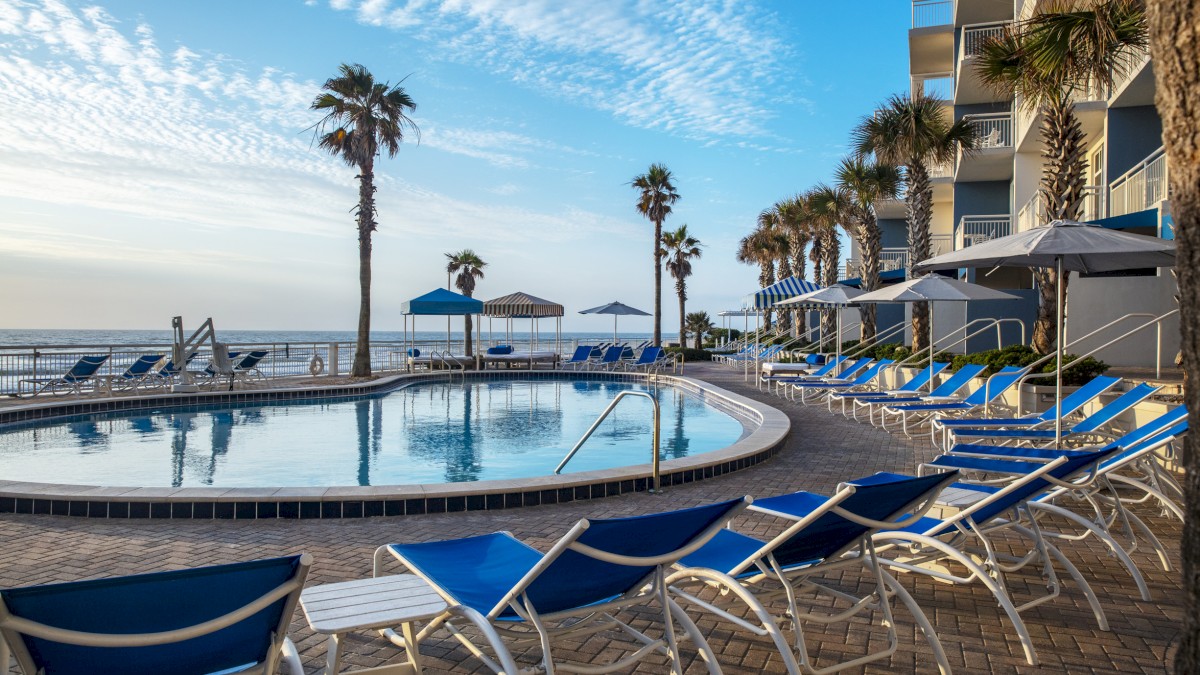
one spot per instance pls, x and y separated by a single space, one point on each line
822 450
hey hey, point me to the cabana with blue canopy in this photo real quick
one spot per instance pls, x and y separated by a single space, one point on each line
777 292
439 302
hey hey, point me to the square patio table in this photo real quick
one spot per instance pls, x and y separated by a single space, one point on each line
367 604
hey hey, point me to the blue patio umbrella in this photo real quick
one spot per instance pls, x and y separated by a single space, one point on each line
616 309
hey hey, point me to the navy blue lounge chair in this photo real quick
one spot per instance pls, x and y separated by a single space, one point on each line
225 618
73 381
137 372
574 589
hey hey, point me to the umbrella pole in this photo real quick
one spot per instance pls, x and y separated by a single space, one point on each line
931 347
615 329
1058 372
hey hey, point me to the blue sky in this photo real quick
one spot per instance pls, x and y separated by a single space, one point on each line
154 158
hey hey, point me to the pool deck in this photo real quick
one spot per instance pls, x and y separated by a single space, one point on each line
821 450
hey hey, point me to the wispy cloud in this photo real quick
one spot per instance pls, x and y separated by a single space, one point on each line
101 116
696 68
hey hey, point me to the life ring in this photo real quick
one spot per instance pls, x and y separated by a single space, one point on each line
317 365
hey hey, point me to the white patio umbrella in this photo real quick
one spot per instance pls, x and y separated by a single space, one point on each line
616 309
933 288
838 296
1065 245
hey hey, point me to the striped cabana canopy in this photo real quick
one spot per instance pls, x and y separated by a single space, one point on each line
780 290
521 306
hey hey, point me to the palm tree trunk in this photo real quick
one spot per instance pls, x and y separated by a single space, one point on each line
870 243
468 342
366 225
1175 50
658 251
919 203
1061 186
785 271
766 277
796 245
831 251
681 290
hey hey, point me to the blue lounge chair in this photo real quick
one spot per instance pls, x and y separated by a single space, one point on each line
910 388
167 374
833 535
815 391
823 371
73 381
1070 404
138 372
611 358
931 544
651 358
1089 428
221 619
583 353
916 414
946 391
1133 451
597 568
248 365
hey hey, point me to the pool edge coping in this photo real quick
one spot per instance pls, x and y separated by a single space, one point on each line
245 503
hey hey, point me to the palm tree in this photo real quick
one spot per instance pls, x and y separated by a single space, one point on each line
698 323
680 247
867 183
1062 50
792 214
761 247
656 195
469 267
914 132
1178 82
830 207
768 219
363 118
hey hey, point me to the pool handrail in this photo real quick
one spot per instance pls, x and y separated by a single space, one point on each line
654 440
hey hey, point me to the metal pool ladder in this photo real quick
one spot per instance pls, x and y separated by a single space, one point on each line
595 425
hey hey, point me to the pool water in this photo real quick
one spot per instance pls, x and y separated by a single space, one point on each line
425 433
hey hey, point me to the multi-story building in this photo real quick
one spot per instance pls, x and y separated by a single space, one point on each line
993 191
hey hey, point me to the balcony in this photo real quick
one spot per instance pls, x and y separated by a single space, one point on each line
940 175
890 259
973 230
1140 188
931 13
992 157
1091 104
938 86
1033 214
970 87
1133 81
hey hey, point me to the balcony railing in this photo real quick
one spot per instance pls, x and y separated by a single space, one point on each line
928 13
938 86
973 230
994 130
1140 188
1033 214
890 259
975 35
942 170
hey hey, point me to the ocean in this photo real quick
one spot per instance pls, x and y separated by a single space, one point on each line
12 337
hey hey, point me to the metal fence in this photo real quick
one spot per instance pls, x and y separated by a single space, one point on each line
929 13
1140 188
973 230
938 86
975 35
992 130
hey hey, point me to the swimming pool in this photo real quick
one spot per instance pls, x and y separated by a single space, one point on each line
428 432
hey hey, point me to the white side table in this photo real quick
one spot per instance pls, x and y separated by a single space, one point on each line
366 604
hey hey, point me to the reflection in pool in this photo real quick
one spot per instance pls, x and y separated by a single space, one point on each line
425 433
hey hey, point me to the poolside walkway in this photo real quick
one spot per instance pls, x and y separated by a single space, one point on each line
821 451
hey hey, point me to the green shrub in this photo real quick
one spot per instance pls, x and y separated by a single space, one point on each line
1022 355
690 355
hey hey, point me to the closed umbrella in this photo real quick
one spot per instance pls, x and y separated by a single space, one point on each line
933 288
616 309
1065 245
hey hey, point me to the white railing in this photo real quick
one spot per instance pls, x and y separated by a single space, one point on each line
1141 187
890 259
1033 213
938 86
1128 65
945 170
992 130
975 35
928 13
941 243
973 230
